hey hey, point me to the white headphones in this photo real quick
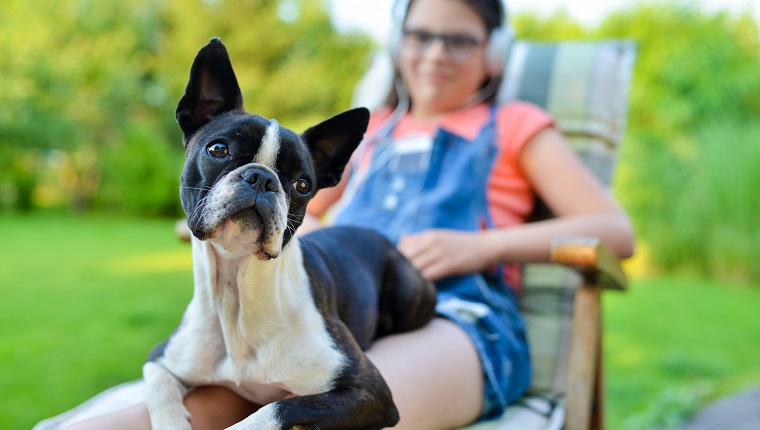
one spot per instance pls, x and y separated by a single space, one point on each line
497 49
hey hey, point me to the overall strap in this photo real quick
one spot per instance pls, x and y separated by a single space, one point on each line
487 138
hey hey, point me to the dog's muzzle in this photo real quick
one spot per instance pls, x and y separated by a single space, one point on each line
248 209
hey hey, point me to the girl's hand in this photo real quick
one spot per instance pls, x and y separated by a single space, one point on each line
441 253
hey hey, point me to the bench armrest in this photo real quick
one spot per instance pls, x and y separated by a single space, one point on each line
592 259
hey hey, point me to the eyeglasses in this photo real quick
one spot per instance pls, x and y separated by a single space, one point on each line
458 45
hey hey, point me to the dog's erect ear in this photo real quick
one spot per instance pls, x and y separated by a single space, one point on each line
211 90
332 142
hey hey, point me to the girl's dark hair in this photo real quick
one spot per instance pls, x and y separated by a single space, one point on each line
490 11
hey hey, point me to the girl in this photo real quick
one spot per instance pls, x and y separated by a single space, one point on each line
451 180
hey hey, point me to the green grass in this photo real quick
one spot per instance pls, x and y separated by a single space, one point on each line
84 299
672 344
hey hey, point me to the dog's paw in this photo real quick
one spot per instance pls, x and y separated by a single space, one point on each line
265 418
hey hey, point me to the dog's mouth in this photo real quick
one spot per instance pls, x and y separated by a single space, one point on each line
252 223
253 230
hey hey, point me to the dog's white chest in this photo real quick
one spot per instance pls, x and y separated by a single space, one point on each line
257 331
301 366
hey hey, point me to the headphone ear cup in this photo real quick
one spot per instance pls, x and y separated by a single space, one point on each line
497 49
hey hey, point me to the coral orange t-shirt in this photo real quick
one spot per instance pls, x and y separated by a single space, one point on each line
509 193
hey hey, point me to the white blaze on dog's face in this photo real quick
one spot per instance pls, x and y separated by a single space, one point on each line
270 145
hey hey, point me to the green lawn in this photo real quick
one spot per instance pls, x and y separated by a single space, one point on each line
671 344
83 300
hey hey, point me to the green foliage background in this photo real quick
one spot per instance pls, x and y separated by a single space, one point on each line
690 161
88 89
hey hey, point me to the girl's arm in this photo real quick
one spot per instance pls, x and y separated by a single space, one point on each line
581 205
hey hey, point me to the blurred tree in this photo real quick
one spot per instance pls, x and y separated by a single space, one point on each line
290 62
98 82
558 26
687 176
71 76
692 66
694 102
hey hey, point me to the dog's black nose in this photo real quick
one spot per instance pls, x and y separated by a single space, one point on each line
260 180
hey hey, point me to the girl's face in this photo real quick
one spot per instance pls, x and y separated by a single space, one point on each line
442 58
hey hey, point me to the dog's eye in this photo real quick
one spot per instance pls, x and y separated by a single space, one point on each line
217 150
302 186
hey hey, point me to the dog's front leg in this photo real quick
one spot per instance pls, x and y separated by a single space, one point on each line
360 399
164 395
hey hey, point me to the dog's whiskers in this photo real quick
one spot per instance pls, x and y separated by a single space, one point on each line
183 187
304 243
204 213
198 205
292 230
195 210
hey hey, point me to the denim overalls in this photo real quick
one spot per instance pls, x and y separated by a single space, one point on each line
415 185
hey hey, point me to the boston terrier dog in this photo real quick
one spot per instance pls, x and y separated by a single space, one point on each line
281 320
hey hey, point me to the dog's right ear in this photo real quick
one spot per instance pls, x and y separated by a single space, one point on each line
212 89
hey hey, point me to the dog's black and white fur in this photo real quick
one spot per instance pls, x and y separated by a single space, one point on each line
271 314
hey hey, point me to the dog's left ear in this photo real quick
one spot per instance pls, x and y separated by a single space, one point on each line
212 89
332 142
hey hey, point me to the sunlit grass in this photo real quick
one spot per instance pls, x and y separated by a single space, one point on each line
672 344
83 300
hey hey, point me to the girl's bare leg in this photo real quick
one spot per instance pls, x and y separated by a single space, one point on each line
434 374
210 407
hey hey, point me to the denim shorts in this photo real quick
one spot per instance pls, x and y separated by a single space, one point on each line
498 332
